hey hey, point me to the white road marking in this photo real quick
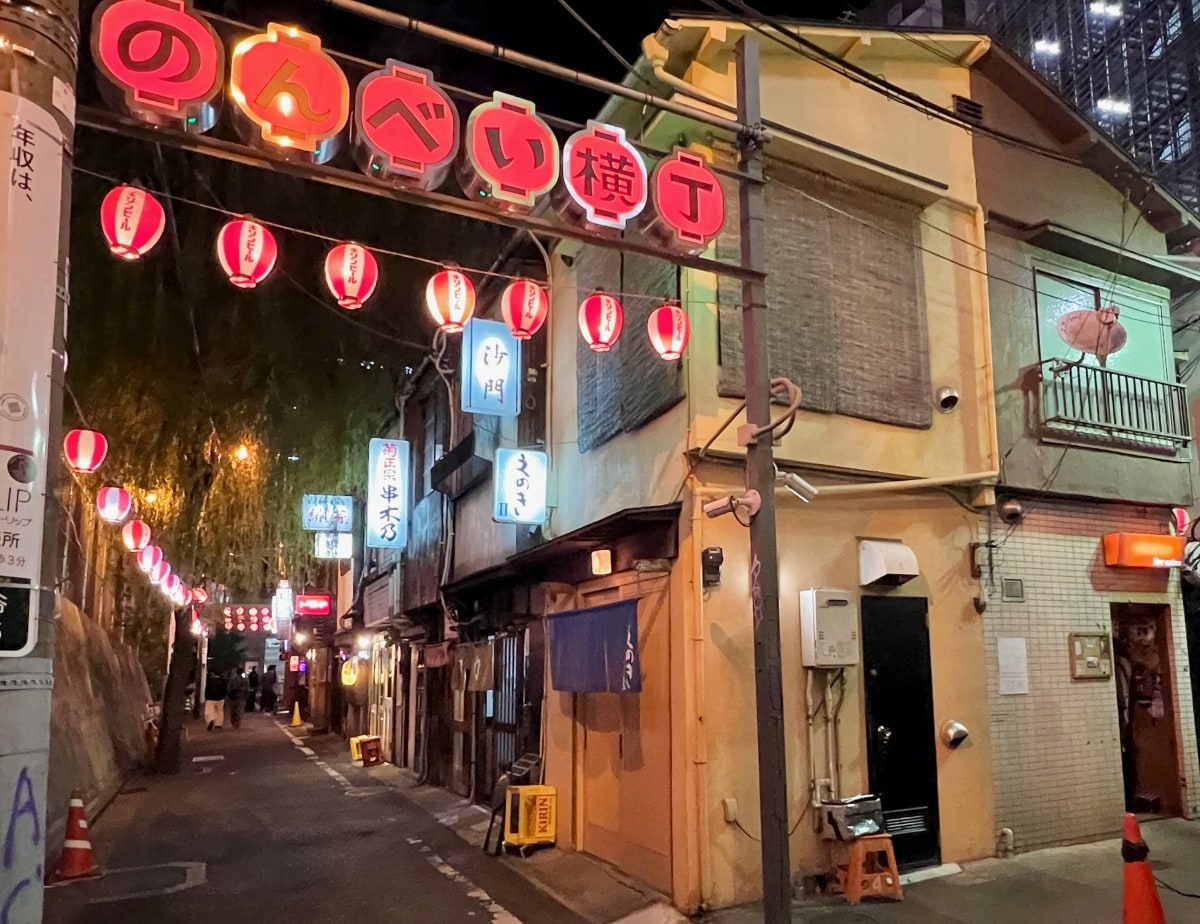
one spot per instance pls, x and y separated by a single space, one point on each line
499 914
309 751
207 758
195 874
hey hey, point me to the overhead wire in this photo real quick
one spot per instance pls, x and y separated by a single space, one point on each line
620 59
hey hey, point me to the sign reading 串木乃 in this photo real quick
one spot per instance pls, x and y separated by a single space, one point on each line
605 177
327 513
31 143
510 153
520 480
339 546
164 61
491 369
387 494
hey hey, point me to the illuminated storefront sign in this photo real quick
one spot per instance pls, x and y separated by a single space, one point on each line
511 154
327 513
491 367
520 481
1143 550
689 202
333 546
387 494
314 604
605 177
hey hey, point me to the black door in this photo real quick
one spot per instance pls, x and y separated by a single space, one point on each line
901 743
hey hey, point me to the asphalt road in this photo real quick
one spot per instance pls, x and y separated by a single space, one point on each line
257 829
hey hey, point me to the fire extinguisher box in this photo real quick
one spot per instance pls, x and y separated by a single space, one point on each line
530 817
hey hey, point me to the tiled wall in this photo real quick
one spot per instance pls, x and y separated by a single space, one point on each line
1056 750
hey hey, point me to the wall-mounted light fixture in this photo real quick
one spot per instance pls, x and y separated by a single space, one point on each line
602 562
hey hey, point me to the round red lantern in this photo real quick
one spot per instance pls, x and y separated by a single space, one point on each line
450 297
132 221
247 251
149 557
600 321
199 596
136 535
669 330
85 450
171 585
524 307
351 272
113 504
160 572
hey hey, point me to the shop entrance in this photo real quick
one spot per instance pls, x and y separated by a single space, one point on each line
1147 710
901 745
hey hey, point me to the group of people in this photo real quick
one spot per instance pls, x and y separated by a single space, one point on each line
235 693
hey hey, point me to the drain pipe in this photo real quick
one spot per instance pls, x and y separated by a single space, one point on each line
700 755
868 487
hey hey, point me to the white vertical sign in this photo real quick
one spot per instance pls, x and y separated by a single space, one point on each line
520 478
30 223
387 494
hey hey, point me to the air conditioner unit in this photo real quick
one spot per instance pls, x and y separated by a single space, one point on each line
828 628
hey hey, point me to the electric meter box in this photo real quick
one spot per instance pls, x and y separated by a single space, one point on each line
828 628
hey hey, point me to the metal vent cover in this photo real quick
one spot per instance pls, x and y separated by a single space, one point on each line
1012 590
968 110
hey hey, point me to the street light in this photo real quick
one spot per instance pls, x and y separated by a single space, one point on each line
301 638
242 452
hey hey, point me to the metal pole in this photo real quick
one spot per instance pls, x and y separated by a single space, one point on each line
38 59
760 476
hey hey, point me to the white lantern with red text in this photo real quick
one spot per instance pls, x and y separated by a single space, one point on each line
149 557
132 221
450 297
85 450
160 572
247 251
524 305
113 504
351 272
669 329
171 585
136 535
600 321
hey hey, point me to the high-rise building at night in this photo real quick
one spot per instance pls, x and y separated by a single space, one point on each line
1132 66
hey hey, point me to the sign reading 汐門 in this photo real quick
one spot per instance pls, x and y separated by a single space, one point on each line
520 486
1143 550
387 494
327 513
162 62
491 369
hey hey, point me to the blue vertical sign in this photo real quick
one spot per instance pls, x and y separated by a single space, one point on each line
387 494
491 369
519 478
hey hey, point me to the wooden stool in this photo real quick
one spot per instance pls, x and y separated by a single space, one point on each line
870 870
372 752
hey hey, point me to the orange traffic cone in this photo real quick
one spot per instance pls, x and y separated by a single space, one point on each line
76 860
1142 904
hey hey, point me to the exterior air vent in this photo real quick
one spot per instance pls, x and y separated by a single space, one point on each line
968 110
1012 590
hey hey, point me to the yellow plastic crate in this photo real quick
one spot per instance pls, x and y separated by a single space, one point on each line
356 747
530 816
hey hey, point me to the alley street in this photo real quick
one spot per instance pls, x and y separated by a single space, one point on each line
259 827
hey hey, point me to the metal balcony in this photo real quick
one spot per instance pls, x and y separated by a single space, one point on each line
1100 405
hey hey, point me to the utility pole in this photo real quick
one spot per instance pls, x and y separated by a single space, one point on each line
38 58
760 477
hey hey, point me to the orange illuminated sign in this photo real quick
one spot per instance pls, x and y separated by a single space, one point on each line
1143 550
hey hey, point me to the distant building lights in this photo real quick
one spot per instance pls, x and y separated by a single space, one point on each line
1047 47
1107 10
1116 107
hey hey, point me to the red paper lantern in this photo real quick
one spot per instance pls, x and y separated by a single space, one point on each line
132 221
113 504
524 307
160 572
85 450
351 272
136 535
199 596
149 557
669 330
172 584
247 252
600 321
450 297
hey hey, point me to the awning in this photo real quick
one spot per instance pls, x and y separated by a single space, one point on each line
596 650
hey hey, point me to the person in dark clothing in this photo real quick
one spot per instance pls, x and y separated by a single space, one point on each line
237 697
252 682
214 700
269 696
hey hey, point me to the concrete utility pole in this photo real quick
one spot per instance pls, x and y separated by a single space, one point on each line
760 477
38 57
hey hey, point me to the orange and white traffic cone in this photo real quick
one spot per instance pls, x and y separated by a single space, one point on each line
76 860
1142 904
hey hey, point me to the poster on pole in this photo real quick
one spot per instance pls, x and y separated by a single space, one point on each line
30 206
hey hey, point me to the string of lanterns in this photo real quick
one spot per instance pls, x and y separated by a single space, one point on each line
133 222
85 451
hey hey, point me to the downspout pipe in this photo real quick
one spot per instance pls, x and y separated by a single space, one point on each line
873 487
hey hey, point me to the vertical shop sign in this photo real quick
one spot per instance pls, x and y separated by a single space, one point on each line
511 155
387 494
31 204
491 364
520 481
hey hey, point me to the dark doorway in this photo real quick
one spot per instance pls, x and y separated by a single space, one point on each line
901 743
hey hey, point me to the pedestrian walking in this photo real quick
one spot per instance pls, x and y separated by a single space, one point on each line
214 700
269 696
237 697
252 682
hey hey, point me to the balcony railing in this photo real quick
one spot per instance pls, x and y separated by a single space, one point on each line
1094 403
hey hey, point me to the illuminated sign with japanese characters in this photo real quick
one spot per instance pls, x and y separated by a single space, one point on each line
511 154
165 62
290 90
520 480
605 177
327 513
339 546
387 494
689 202
314 604
405 126
491 369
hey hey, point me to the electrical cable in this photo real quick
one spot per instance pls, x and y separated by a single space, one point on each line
620 59
1171 888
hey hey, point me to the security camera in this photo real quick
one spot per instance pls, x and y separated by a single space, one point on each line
1011 511
719 507
946 400
745 505
798 486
